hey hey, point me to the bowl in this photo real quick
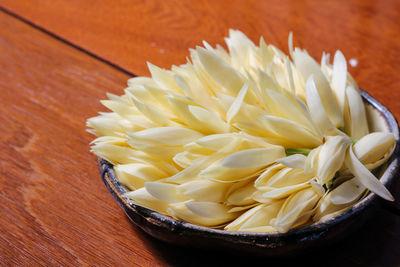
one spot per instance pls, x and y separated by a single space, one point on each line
297 240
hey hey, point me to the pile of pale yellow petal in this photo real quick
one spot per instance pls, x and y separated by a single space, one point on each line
244 141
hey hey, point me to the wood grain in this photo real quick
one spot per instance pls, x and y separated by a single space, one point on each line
131 32
55 210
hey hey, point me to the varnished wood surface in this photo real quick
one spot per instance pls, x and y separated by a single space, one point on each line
54 210
130 32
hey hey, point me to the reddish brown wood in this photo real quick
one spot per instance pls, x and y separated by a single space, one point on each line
129 33
54 209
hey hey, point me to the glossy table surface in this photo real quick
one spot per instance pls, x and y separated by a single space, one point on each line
59 58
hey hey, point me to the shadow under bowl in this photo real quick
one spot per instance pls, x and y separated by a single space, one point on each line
295 241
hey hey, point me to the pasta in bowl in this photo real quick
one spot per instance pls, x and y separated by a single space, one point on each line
245 141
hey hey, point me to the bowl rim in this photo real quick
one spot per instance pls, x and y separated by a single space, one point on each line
154 217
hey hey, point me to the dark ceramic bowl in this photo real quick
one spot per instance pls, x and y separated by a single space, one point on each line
271 244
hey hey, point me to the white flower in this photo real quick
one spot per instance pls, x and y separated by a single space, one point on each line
245 140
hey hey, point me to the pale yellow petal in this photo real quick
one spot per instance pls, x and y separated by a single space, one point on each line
217 172
308 67
116 154
317 110
209 121
374 146
347 192
201 164
253 158
358 118
165 192
171 136
339 78
365 177
211 210
242 195
134 175
297 209
331 157
291 130
282 192
296 161
262 217
143 198
164 78
235 225
182 212
265 177
237 103
205 190
219 70
326 209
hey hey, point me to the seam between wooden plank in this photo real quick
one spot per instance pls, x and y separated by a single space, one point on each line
61 39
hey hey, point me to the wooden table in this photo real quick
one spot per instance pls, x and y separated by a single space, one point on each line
59 58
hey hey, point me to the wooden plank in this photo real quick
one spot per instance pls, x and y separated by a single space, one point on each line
54 208
55 211
129 33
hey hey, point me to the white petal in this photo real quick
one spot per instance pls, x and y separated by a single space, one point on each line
365 177
210 210
374 146
282 192
213 142
311 162
317 110
290 44
116 154
296 161
235 107
201 165
182 212
296 210
171 136
135 175
266 82
143 198
253 158
152 113
326 209
239 48
358 118
165 192
262 217
283 178
331 157
317 187
220 71
242 195
265 177
307 66
347 192
291 131
164 78
204 190
210 121
285 105
217 172
234 226
339 78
